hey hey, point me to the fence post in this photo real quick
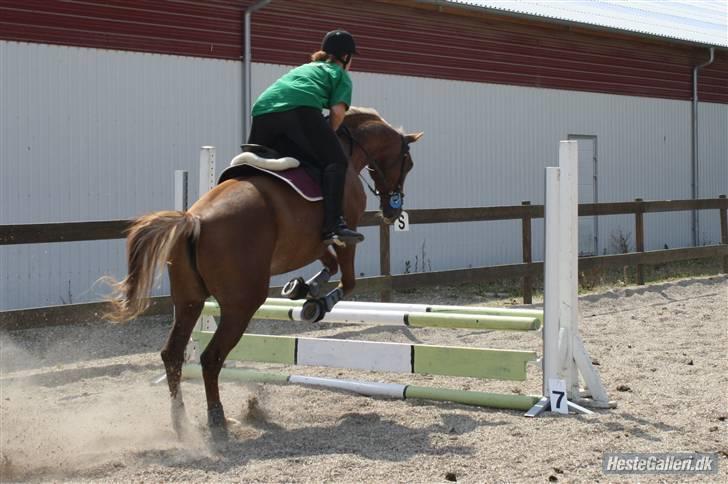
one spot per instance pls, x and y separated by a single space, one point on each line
207 170
385 294
639 238
527 281
724 232
180 190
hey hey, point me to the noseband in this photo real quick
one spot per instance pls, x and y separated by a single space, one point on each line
396 196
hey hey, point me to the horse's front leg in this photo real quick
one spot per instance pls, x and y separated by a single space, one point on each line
331 267
299 289
346 256
316 308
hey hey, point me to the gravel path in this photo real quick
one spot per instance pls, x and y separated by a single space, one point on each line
77 404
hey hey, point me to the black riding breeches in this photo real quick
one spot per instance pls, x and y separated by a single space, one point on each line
303 133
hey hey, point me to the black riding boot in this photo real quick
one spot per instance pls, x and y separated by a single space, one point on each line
335 230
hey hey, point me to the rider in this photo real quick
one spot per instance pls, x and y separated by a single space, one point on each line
288 117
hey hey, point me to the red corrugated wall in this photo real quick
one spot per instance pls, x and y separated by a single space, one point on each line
394 39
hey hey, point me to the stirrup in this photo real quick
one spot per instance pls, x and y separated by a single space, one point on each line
342 236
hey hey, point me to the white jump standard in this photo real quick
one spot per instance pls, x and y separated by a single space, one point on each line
564 356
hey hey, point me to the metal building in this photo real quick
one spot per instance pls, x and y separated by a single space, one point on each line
101 101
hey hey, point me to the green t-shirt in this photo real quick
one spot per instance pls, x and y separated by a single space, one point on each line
316 85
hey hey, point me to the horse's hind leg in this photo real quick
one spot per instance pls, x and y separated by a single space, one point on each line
185 317
238 302
188 296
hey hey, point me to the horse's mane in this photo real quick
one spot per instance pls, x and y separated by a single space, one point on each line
358 116
360 111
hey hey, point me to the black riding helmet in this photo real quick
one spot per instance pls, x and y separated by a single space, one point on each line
340 44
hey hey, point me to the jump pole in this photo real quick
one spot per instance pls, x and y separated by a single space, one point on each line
373 389
378 356
418 308
395 318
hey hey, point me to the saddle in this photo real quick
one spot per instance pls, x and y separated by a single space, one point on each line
257 159
264 157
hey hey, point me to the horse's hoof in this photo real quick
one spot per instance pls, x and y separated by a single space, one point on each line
295 289
219 434
182 428
216 415
180 422
330 300
312 311
217 424
314 289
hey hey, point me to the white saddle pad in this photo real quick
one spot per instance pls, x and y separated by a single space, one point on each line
277 164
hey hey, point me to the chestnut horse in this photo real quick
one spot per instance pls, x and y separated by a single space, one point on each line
230 242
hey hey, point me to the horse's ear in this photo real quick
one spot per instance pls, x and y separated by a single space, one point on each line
412 137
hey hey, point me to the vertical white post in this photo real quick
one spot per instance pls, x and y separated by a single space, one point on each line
207 169
207 181
569 259
180 190
551 303
564 355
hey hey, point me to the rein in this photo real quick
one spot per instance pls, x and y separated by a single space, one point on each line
396 196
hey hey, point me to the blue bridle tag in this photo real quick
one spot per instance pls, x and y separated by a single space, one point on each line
395 200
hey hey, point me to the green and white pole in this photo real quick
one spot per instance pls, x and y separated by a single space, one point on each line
418 308
396 317
499 364
375 389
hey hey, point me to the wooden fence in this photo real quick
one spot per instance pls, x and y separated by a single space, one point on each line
527 270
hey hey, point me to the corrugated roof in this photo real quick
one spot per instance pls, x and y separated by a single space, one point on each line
696 21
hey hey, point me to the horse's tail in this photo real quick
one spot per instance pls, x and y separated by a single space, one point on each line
148 248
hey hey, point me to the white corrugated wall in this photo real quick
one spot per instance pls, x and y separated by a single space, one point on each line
91 134
713 169
488 144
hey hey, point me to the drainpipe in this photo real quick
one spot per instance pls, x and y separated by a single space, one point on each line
247 102
694 166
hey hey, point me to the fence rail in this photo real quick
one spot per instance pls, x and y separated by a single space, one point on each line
528 270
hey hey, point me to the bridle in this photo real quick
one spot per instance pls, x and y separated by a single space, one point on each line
396 196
